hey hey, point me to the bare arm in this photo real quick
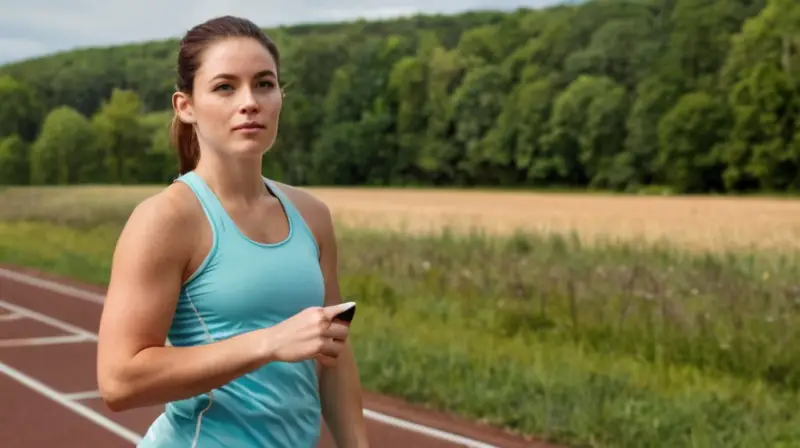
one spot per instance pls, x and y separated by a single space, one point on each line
340 388
134 368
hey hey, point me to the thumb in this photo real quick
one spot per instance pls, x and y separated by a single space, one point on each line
333 310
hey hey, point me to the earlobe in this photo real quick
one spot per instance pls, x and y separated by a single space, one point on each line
183 107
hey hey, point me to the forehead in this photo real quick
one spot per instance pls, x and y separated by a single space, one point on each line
236 56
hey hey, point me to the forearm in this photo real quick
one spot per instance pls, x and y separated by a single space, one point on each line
342 408
157 375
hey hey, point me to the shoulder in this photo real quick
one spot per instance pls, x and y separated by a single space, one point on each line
303 199
164 218
171 208
314 211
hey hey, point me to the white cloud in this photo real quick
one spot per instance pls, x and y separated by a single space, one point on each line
37 27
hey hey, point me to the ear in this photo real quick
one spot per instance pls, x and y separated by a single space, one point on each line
182 104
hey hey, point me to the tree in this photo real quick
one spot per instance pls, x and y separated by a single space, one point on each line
65 152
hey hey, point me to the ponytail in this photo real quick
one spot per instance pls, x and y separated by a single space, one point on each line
184 141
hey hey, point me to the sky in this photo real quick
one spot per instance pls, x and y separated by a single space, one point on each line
32 28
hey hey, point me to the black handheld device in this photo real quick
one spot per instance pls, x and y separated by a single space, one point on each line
348 314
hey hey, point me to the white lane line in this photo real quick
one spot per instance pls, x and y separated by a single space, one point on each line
422 429
93 416
85 395
47 340
8 317
368 413
71 291
45 319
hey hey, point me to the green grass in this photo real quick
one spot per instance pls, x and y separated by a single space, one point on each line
604 346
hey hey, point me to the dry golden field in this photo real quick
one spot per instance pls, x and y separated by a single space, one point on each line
698 223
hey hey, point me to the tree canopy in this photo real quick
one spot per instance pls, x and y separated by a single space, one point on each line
695 96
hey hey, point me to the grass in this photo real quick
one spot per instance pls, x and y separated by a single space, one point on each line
694 223
608 344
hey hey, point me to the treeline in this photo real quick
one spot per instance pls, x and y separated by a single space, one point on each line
689 95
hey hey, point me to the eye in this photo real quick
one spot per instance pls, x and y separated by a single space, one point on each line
223 87
266 83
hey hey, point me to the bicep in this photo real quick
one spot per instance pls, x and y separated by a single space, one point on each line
145 281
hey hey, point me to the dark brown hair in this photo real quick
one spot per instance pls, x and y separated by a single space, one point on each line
190 54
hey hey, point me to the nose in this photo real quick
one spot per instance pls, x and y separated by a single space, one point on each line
249 104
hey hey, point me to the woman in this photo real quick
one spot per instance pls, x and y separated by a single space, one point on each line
237 271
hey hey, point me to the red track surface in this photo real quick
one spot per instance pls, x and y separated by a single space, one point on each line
48 382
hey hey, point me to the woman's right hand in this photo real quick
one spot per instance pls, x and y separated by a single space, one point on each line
310 334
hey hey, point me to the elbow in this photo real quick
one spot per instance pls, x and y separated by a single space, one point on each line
115 397
114 404
116 393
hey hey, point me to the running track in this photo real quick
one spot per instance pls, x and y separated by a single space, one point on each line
49 392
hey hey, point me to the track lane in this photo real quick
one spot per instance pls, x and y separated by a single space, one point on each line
391 422
32 416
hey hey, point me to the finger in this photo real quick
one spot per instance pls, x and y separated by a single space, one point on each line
337 330
333 310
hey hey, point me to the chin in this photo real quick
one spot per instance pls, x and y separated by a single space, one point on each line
250 148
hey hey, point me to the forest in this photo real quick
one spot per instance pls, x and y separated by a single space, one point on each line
674 96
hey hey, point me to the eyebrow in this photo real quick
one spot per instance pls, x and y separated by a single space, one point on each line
257 75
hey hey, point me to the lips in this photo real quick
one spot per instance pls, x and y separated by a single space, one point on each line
249 125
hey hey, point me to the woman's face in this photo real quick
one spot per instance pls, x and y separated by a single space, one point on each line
236 101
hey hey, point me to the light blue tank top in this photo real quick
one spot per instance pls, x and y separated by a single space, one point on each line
243 285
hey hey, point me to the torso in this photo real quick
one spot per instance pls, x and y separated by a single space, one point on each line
265 222
252 268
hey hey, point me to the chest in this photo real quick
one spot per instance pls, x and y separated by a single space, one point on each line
263 223
254 287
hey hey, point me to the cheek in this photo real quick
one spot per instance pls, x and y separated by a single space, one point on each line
275 112
212 113
272 104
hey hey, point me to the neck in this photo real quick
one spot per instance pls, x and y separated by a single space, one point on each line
232 179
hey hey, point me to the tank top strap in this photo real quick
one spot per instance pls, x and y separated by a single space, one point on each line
292 213
288 205
211 205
